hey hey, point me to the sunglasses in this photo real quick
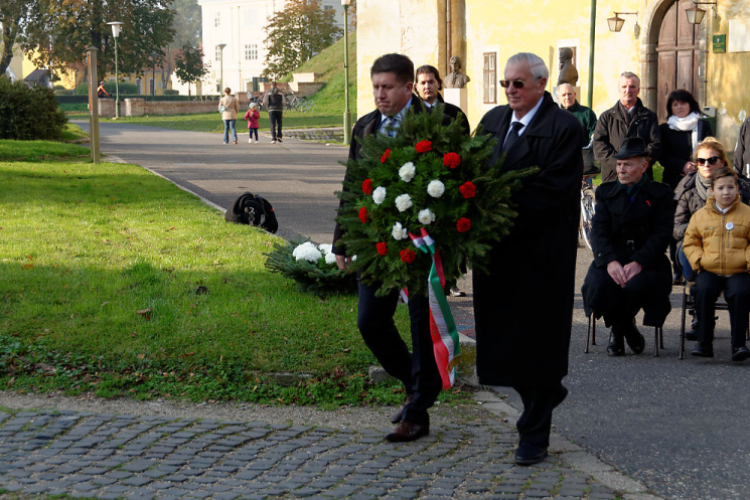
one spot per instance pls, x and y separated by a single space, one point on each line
518 84
711 161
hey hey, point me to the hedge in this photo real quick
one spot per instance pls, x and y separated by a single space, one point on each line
29 113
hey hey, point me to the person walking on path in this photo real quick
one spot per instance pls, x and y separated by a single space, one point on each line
274 102
517 346
251 117
627 118
392 78
229 107
717 244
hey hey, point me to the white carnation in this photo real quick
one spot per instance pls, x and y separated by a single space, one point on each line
354 258
399 232
325 249
426 216
407 172
378 195
435 189
403 202
330 258
307 251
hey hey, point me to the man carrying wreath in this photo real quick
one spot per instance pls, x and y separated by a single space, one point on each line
524 305
392 78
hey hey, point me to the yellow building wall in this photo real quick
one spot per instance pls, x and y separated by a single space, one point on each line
727 74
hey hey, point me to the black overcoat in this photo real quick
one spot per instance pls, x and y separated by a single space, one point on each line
524 305
677 149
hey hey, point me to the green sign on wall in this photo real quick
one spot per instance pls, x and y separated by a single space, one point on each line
720 44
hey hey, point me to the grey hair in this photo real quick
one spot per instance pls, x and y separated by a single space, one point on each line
563 85
536 64
630 74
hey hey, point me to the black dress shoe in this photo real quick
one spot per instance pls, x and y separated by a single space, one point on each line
740 353
693 333
530 454
635 340
703 350
407 431
615 349
399 415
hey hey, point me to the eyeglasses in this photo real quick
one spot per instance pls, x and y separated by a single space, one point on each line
518 84
711 161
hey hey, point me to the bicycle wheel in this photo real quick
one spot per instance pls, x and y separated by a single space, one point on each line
588 209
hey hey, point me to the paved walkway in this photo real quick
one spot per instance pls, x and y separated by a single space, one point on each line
679 427
109 456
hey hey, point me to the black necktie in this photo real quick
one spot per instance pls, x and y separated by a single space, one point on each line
512 135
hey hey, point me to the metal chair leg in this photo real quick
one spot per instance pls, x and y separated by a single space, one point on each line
661 337
656 341
682 323
588 332
593 329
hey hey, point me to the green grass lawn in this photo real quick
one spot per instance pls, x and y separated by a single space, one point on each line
86 247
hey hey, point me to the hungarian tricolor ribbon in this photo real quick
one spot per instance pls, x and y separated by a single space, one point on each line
442 327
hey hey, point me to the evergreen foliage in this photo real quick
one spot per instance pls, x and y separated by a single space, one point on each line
29 113
319 278
465 224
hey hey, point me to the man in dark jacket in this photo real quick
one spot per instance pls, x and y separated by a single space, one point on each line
516 345
392 78
627 118
566 94
631 231
742 150
274 102
428 87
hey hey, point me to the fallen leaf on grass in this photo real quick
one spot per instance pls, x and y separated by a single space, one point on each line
146 313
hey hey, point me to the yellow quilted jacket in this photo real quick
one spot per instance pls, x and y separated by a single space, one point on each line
719 243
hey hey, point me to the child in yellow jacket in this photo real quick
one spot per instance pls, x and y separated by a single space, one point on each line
717 244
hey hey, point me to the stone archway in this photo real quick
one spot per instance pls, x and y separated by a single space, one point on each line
653 19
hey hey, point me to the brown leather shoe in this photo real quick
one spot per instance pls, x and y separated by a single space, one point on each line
399 415
407 431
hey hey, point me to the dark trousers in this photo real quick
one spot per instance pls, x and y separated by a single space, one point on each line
418 372
649 290
275 117
736 288
253 131
535 423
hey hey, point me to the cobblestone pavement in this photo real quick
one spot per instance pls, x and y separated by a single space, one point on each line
107 456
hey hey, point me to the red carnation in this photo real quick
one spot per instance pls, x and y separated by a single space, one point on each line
423 146
382 248
367 186
408 256
363 215
463 225
469 190
385 156
451 160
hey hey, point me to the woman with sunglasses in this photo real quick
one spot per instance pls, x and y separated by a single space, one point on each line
692 192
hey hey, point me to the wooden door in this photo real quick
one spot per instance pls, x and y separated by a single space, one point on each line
678 55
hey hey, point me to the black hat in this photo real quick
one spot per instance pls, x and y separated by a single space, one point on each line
632 147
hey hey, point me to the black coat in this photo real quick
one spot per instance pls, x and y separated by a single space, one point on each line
689 202
742 150
455 112
677 149
612 130
524 306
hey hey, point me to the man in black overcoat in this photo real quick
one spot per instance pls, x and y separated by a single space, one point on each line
392 78
627 118
630 234
524 305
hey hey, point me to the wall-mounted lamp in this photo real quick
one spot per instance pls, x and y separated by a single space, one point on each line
695 14
615 23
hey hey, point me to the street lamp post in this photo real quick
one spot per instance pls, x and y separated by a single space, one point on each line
592 41
116 27
154 55
221 84
347 113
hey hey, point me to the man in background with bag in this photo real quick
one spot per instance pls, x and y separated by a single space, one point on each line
274 102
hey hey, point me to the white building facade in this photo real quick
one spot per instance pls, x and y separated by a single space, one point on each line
240 25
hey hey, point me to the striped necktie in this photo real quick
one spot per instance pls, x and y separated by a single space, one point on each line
391 125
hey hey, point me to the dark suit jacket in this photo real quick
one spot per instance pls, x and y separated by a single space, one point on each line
533 268
455 112
677 149
612 130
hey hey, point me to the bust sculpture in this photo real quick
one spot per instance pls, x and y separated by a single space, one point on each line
456 79
568 71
